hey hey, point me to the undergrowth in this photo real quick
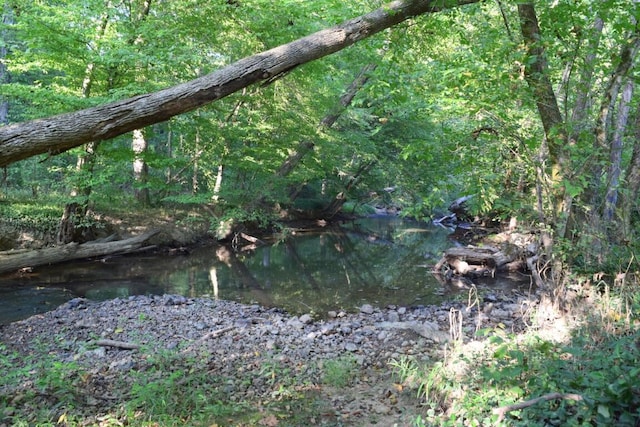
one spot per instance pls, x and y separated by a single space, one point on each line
169 388
529 379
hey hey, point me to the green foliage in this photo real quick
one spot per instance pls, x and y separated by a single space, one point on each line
40 217
600 364
340 372
38 389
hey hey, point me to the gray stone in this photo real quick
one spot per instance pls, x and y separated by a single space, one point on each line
366 309
306 319
351 347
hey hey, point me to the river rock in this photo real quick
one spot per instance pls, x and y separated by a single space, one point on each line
239 338
366 309
393 316
306 319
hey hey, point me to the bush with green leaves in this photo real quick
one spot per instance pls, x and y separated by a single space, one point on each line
596 372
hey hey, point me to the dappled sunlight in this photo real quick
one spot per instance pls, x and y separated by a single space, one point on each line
551 370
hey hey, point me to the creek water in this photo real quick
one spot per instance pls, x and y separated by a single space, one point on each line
379 261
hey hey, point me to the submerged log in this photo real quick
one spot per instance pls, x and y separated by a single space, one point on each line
14 260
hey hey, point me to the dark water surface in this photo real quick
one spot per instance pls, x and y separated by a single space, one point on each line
379 261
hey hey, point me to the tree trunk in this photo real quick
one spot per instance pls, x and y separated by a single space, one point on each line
14 260
327 122
57 134
7 20
140 168
218 184
546 102
538 79
615 156
632 178
595 221
578 122
553 124
579 112
341 198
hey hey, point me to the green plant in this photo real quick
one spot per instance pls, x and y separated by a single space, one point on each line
599 365
339 372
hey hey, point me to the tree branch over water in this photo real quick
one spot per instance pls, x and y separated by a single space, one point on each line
60 133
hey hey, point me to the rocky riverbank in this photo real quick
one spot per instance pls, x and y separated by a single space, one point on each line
113 340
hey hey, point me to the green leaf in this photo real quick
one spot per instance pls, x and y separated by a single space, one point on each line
603 411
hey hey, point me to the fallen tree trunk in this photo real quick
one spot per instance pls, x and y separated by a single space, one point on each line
14 260
477 261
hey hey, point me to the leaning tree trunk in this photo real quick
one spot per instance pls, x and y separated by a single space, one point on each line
56 134
305 147
537 78
24 258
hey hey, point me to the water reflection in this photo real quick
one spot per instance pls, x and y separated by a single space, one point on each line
379 261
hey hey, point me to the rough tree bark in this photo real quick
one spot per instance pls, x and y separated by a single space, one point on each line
538 80
56 134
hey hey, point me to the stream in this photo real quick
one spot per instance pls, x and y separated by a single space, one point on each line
379 261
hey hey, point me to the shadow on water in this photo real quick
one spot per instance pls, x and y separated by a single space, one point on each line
380 261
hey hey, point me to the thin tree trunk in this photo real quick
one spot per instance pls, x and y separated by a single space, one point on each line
505 20
605 116
615 156
304 147
85 162
57 134
139 143
595 220
7 19
578 122
579 111
218 183
217 186
194 176
87 83
632 178
140 168
341 198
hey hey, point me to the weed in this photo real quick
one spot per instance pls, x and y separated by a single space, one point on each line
599 366
340 372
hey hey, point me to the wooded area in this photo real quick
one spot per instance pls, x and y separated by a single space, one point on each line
253 116
563 151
